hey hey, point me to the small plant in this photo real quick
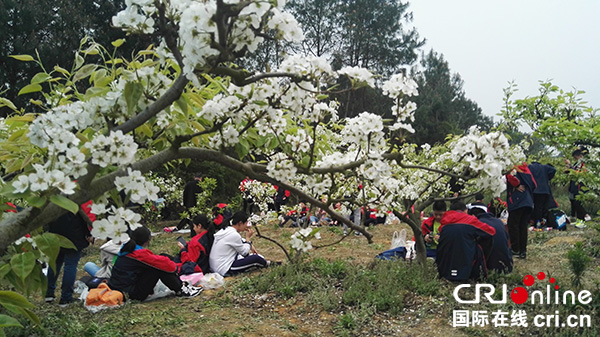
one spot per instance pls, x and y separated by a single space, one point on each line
578 263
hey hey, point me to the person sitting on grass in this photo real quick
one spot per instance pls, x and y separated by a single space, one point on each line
231 254
464 244
193 257
137 270
500 258
430 228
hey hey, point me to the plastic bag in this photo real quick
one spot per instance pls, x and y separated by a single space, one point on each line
160 291
193 279
398 239
212 281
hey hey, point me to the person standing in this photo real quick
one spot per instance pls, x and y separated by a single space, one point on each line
542 195
75 228
575 188
519 199
190 200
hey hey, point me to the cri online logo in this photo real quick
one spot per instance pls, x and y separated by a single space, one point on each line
520 295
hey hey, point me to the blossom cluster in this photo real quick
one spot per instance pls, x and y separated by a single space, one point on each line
300 240
116 148
261 193
116 223
135 185
43 179
199 34
487 156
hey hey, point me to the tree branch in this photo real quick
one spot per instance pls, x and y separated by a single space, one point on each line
170 96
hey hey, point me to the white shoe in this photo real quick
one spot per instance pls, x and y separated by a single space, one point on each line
189 291
587 217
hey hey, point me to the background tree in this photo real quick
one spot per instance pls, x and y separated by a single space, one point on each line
442 107
52 29
562 121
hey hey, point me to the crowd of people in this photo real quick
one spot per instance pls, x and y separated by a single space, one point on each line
469 240
466 241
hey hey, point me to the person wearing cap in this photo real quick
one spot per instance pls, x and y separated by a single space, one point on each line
230 254
500 257
464 243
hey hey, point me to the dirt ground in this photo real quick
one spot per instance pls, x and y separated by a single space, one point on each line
225 312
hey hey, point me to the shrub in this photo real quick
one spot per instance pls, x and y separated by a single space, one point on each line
578 263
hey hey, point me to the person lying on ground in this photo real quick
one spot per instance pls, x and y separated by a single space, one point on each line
137 270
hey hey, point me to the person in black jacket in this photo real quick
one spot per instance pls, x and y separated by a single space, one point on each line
464 243
75 228
542 194
137 270
500 257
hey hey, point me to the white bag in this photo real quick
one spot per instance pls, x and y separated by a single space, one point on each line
398 239
212 281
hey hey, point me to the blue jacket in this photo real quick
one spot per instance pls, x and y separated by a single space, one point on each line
542 175
500 258
516 199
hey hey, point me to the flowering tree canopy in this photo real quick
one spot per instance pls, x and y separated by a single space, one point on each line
109 121
562 121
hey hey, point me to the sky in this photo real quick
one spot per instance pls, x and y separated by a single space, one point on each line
490 43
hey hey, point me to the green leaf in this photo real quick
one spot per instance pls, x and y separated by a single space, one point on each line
145 130
49 244
84 72
36 201
61 70
65 203
8 321
31 315
40 279
133 92
22 264
23 57
118 43
8 103
64 242
29 89
4 269
98 75
241 150
78 61
40 78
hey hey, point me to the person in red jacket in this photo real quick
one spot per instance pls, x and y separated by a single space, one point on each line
194 255
464 244
137 270
430 228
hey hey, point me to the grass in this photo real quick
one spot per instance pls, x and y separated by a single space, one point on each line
335 291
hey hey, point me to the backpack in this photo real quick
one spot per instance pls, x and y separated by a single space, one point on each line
103 295
557 219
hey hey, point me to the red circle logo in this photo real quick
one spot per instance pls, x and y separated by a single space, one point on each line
519 295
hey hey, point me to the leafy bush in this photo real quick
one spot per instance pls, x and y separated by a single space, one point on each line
578 263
